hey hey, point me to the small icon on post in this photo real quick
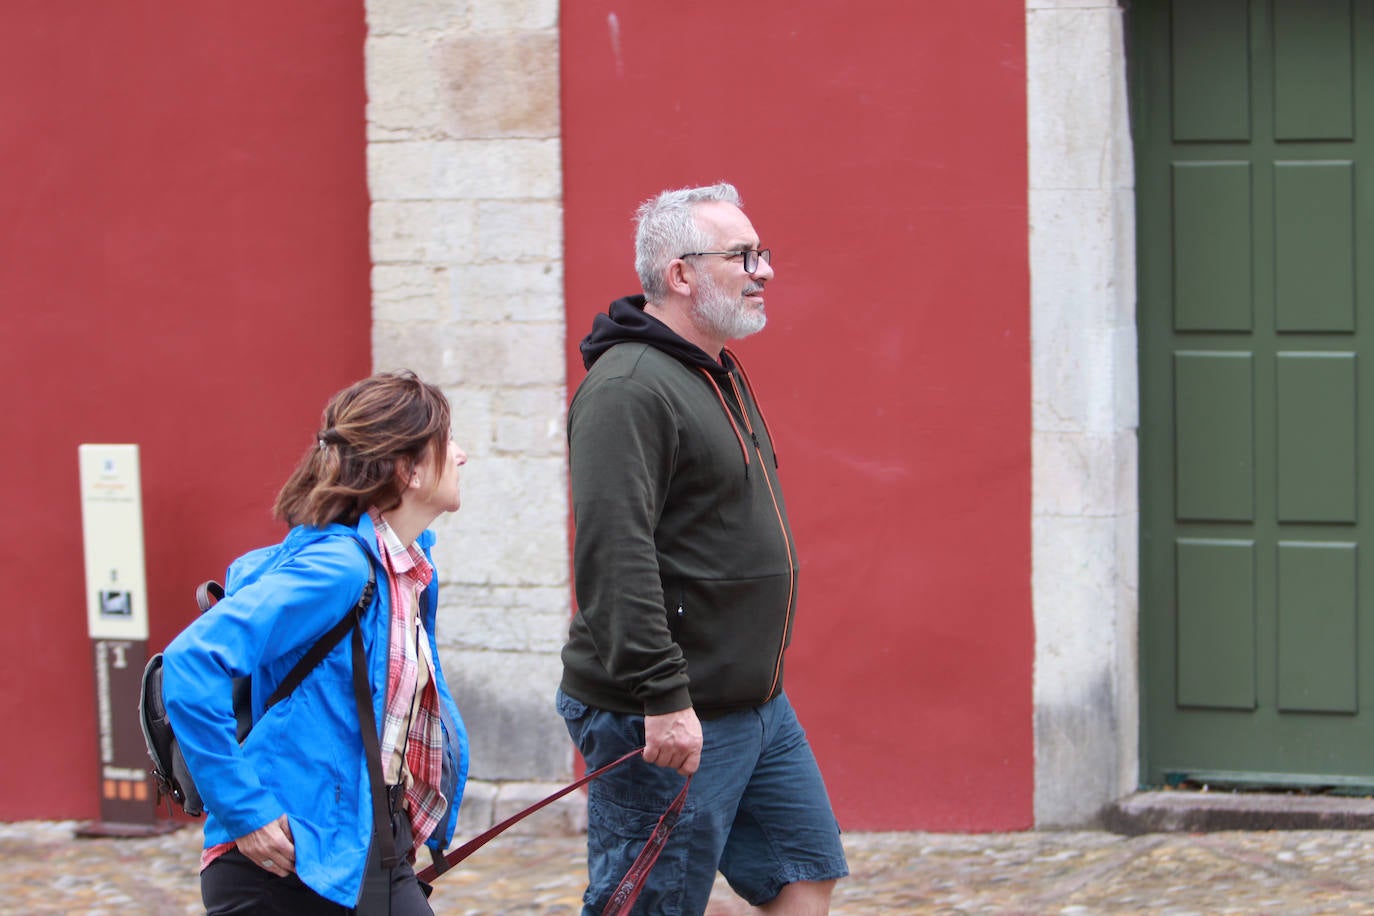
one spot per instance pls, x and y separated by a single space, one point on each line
116 604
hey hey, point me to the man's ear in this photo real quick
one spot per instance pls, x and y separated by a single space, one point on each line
676 275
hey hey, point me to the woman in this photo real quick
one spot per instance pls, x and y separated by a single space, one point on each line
290 822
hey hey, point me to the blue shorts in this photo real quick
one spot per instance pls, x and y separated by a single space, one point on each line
757 811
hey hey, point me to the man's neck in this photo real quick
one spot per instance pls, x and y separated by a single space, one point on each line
679 321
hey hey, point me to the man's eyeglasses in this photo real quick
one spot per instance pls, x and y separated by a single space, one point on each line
751 257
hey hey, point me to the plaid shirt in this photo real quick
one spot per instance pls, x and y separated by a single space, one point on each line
423 744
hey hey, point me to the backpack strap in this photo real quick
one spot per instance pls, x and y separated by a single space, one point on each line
367 721
367 718
310 660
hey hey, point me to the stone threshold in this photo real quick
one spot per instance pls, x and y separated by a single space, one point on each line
1185 811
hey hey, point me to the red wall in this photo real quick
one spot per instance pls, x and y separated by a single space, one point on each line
880 148
184 265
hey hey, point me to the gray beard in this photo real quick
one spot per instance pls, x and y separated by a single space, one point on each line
729 318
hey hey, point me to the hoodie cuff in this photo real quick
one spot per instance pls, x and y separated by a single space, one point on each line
675 701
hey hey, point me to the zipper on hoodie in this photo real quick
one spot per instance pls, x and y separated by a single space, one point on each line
782 527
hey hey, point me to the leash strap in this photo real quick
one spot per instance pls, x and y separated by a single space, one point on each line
445 862
628 890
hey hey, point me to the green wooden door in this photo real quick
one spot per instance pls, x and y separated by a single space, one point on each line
1254 133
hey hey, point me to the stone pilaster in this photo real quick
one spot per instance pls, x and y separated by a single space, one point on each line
466 228
1084 412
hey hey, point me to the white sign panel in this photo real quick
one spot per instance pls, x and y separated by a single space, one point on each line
112 532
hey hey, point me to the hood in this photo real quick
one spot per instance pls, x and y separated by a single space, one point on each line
626 321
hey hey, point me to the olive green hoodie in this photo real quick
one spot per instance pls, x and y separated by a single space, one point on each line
686 573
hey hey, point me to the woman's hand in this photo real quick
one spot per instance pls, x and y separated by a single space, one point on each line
270 847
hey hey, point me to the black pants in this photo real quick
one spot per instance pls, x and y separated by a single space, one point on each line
234 885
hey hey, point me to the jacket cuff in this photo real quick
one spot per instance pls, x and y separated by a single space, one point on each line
674 701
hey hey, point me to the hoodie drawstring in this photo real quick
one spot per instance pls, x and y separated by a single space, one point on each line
767 431
720 396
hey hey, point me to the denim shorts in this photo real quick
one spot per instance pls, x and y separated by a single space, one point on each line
757 810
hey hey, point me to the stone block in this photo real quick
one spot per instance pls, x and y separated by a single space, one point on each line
1073 107
532 436
401 170
520 231
1073 380
485 170
553 600
511 293
472 417
498 356
491 15
406 346
402 231
387 17
402 88
1073 581
1076 756
1074 474
506 700
515 522
531 421
498 84
1074 256
513 628
408 292
435 232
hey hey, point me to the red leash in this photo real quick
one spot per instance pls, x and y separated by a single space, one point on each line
627 892
633 882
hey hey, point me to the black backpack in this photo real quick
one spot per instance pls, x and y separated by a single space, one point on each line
170 774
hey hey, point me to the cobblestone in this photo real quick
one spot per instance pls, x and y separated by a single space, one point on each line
45 868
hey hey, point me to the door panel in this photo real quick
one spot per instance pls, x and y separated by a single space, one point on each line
1314 246
1214 433
1255 188
1211 246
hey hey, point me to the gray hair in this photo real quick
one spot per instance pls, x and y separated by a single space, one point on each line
665 228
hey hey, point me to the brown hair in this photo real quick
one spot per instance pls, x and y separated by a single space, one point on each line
369 431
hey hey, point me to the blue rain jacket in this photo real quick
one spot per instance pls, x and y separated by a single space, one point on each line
304 757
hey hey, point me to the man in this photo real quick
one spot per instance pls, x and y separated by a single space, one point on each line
686 579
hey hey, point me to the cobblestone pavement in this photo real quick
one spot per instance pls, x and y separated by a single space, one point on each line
44 868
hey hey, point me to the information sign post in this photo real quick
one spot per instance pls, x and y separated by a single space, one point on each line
117 619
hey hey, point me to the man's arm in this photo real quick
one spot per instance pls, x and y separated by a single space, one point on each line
622 441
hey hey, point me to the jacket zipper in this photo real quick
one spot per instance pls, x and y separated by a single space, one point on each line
782 527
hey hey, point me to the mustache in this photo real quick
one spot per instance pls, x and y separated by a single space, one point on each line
753 288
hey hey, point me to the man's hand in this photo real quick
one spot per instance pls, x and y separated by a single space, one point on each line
673 740
270 847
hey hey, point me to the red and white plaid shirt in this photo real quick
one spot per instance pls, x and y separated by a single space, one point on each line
423 744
